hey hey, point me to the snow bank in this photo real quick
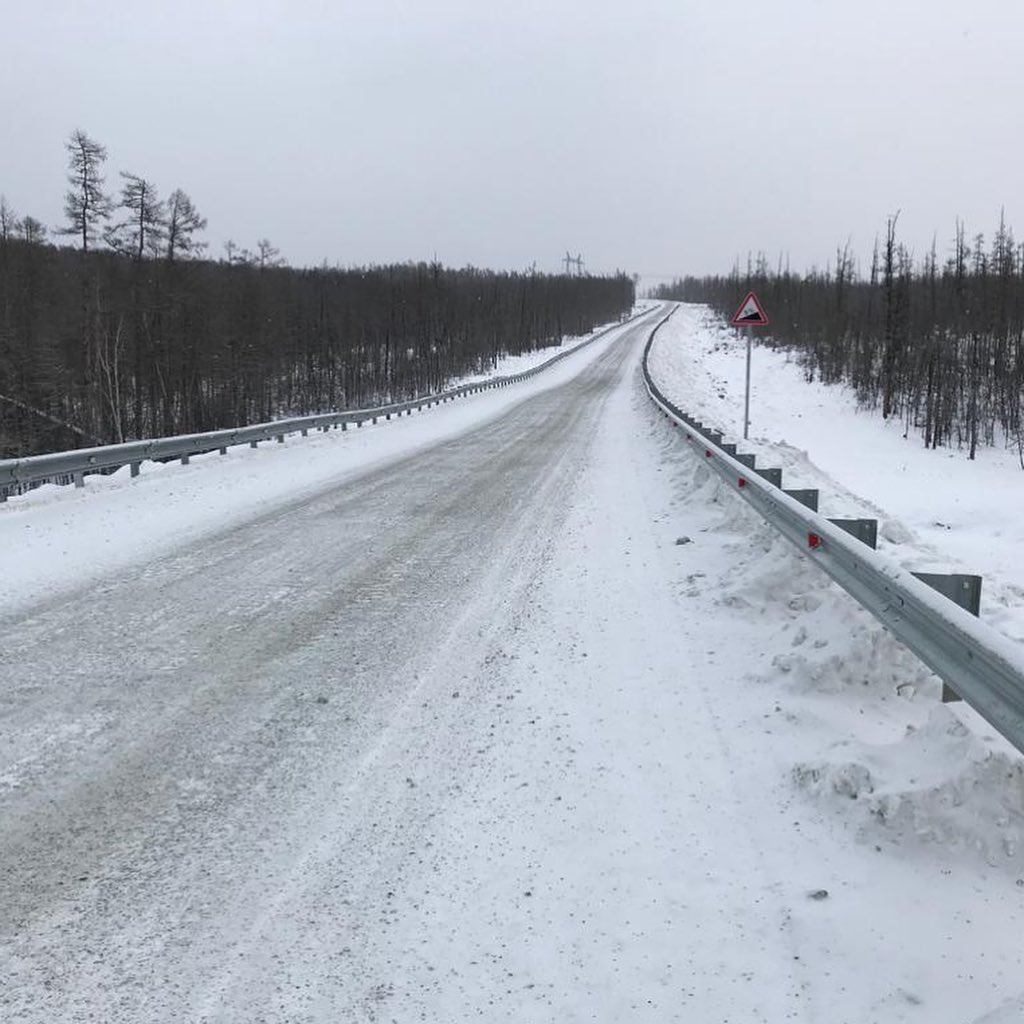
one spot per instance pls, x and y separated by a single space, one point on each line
869 740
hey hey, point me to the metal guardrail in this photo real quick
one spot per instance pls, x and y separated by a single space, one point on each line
73 465
983 666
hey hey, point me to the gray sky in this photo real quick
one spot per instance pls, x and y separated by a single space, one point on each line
657 136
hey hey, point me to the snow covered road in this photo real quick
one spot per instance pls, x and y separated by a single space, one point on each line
473 736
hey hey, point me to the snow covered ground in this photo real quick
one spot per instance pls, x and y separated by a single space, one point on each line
508 712
937 510
872 744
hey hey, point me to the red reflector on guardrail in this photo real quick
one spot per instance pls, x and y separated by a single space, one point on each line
813 541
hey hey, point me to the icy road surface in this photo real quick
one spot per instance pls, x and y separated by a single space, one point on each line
476 736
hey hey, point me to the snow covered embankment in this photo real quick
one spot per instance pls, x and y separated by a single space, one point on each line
909 770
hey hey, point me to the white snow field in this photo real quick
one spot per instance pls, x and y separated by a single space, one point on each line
502 712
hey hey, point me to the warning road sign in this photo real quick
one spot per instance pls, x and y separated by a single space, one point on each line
750 314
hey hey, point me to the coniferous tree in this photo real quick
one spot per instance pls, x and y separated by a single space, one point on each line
86 206
183 222
142 230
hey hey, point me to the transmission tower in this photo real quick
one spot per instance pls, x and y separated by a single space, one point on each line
573 262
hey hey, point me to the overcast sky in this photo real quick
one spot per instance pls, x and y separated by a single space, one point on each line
661 137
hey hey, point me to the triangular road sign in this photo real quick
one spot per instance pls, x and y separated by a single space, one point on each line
750 314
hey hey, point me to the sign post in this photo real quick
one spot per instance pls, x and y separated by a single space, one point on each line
746 391
750 314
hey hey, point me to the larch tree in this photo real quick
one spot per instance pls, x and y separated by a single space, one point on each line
86 205
10 223
183 221
143 230
33 231
267 255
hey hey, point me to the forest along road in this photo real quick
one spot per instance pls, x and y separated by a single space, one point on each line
447 743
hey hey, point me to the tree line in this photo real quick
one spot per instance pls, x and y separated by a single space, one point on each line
936 343
132 332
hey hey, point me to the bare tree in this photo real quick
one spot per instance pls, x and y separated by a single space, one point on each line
892 338
10 224
109 358
267 255
86 205
183 221
143 230
33 231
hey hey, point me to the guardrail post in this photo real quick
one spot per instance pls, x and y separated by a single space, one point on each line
79 479
807 496
304 433
184 460
773 476
223 451
962 589
134 468
343 425
865 530
280 438
254 444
